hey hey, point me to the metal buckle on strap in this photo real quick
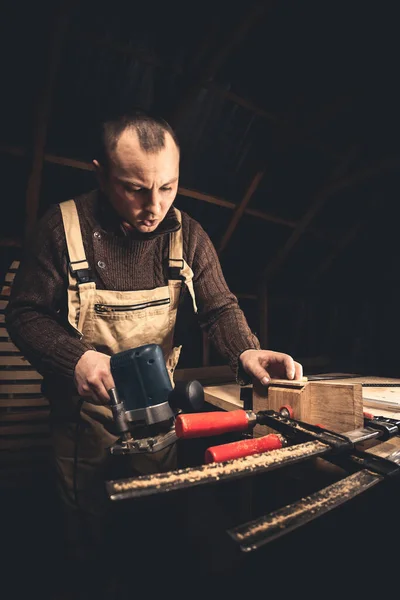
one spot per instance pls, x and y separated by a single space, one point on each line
82 275
175 271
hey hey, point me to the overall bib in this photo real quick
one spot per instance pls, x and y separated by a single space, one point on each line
112 321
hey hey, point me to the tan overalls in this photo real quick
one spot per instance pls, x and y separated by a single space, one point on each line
113 321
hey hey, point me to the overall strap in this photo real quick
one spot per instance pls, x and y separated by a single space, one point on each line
78 265
177 266
175 257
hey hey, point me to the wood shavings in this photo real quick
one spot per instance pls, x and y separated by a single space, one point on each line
217 471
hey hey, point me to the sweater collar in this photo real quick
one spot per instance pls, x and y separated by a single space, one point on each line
111 222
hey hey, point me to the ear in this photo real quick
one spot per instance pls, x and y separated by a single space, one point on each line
100 174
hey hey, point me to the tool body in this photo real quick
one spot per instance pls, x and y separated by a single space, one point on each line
145 403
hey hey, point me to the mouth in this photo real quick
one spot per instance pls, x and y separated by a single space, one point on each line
149 223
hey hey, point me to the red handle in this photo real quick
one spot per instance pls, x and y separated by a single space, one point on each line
210 423
243 448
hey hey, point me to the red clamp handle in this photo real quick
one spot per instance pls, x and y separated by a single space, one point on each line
210 423
243 448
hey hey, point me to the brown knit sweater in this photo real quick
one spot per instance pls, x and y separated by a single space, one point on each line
36 315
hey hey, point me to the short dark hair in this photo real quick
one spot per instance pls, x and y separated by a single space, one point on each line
150 129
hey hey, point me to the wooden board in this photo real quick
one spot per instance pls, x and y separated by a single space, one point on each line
226 397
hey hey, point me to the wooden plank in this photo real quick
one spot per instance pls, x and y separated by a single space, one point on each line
14 375
226 397
15 264
24 456
24 442
5 291
2 318
25 429
29 402
9 278
24 416
8 347
20 388
14 361
3 304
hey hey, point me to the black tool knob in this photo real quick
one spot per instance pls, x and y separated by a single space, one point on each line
187 396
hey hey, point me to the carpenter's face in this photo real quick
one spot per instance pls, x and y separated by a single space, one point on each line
141 185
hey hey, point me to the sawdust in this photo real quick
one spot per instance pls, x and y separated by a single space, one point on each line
215 471
310 505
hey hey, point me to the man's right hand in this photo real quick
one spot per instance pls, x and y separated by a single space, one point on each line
93 377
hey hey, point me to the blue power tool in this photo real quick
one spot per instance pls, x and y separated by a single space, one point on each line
145 403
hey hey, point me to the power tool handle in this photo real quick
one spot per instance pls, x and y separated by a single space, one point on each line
210 423
118 411
243 448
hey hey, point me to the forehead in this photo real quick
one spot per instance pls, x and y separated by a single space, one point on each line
129 159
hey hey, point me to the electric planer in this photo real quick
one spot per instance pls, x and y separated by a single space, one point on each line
144 402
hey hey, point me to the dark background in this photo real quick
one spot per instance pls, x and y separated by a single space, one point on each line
305 91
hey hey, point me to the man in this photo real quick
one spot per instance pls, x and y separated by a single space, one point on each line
105 273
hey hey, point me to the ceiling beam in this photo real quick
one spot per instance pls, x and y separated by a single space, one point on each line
183 191
320 199
336 184
208 70
239 210
344 241
57 31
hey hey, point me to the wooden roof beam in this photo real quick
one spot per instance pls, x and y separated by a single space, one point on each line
322 197
343 242
239 210
42 113
319 201
183 191
220 55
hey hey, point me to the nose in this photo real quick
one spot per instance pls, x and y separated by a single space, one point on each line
153 202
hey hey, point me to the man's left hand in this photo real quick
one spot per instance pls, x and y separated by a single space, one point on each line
266 364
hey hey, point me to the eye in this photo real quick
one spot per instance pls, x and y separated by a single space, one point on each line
166 189
132 190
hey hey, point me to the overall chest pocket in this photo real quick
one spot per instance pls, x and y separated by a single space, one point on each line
123 311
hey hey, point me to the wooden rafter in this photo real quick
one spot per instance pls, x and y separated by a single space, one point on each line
345 240
239 210
42 114
183 191
319 201
284 141
226 46
294 132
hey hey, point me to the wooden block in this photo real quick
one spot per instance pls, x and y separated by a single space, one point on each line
336 406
